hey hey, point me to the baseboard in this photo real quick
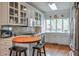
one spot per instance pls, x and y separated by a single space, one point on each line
57 44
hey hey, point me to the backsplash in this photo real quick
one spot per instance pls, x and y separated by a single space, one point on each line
22 30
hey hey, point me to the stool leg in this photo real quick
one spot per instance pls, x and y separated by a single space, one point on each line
40 51
25 53
16 53
37 52
10 52
33 52
19 53
44 50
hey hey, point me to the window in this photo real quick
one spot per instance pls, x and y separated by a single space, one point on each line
53 25
48 25
66 25
57 25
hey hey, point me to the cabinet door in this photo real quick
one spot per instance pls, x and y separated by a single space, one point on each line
23 14
37 19
13 13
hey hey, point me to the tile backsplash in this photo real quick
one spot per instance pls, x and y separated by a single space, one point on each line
22 30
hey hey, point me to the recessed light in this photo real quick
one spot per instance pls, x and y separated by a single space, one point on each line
52 6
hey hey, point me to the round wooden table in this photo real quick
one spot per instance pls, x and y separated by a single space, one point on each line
26 40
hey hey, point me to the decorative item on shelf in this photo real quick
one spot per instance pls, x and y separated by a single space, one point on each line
55 16
31 21
25 9
62 15
50 16
10 20
27 21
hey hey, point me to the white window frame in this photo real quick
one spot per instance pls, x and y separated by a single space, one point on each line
56 26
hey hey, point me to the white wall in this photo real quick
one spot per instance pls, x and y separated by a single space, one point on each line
0 14
59 38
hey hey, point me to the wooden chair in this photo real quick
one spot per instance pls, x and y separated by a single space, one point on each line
39 46
18 49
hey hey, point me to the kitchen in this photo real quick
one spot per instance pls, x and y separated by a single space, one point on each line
23 18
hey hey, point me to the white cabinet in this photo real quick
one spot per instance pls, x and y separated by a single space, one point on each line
59 38
37 22
23 14
37 19
13 13
20 13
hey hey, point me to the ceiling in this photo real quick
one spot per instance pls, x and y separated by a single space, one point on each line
43 6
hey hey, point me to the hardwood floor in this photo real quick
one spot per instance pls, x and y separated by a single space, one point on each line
57 50
51 49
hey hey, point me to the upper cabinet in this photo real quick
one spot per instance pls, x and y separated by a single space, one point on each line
37 19
19 13
23 14
14 13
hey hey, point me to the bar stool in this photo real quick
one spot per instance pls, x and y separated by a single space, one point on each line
18 49
39 46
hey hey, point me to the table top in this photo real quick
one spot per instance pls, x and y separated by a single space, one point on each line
25 39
